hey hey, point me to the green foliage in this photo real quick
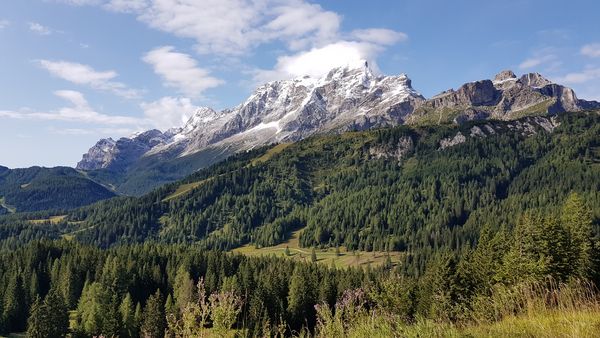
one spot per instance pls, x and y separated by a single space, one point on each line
48 318
36 188
154 323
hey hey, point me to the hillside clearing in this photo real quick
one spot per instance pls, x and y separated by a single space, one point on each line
324 256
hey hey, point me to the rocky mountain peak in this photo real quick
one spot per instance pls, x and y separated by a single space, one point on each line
534 80
350 97
504 76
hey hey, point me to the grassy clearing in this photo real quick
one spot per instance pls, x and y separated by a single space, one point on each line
270 153
324 256
184 189
52 220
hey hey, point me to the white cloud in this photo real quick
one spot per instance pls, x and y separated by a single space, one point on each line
39 28
536 61
4 23
301 24
585 75
78 111
180 71
319 61
233 26
85 75
169 112
380 36
591 50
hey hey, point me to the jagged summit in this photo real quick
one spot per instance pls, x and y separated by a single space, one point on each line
505 75
349 97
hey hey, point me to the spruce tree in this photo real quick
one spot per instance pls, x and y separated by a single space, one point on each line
154 321
577 220
128 324
15 308
57 314
183 288
37 323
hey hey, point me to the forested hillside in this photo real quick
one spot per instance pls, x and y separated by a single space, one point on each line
36 188
497 224
399 189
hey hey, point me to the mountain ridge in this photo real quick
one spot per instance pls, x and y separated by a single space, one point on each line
347 98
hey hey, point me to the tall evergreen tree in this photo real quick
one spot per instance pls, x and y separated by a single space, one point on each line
577 219
57 314
127 313
15 306
37 323
154 322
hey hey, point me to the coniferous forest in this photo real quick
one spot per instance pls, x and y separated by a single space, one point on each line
500 226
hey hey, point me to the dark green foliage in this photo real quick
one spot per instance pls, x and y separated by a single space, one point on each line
36 188
154 324
489 213
349 191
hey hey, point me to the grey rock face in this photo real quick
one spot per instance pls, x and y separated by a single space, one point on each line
404 147
117 155
504 75
505 98
99 156
527 127
347 98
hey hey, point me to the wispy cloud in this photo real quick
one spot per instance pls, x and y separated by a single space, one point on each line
85 75
583 76
79 110
4 23
235 26
379 36
536 61
180 71
40 29
591 50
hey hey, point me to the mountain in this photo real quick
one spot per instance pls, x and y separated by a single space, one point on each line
347 98
36 188
504 98
386 189
117 155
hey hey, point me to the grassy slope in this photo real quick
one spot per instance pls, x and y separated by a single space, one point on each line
576 323
324 256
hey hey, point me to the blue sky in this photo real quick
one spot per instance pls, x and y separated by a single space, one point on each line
74 71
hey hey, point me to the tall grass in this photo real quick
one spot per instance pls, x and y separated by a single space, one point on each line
533 309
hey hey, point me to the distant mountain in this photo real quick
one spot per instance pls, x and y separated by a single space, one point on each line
347 98
504 98
36 188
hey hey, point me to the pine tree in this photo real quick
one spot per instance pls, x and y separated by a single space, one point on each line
37 323
93 308
15 308
57 314
111 326
128 324
577 220
183 288
170 308
137 319
301 297
154 322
